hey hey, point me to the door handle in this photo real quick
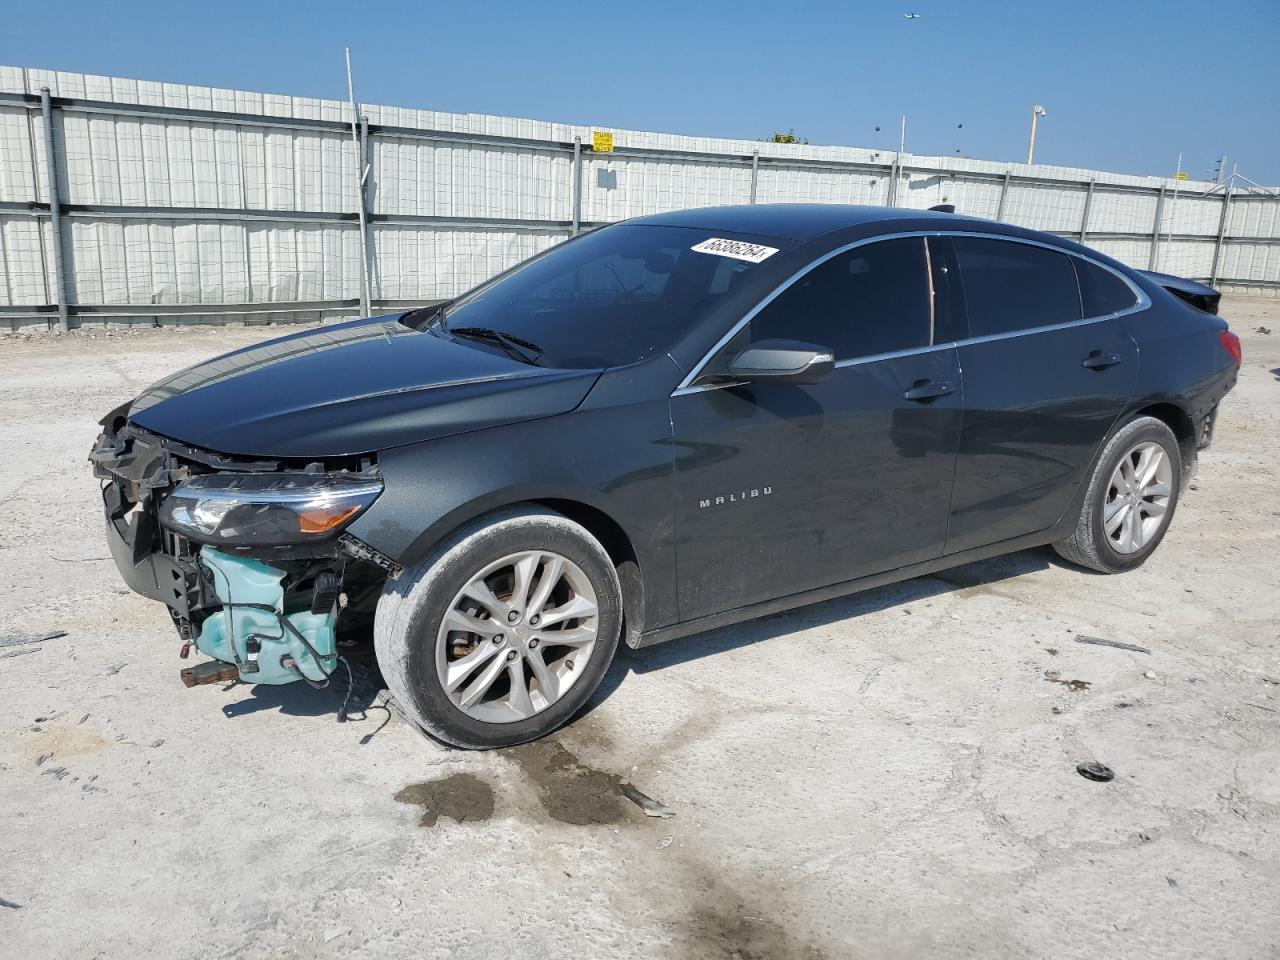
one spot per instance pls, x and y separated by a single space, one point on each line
925 390
1098 360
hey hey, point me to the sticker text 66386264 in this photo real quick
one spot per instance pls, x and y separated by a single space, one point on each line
738 249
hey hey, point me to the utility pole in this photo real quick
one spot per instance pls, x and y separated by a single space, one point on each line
1036 113
1221 172
1173 210
361 171
897 163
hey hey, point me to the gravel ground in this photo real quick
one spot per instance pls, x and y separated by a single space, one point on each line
891 775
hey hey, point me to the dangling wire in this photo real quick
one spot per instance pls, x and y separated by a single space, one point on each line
351 684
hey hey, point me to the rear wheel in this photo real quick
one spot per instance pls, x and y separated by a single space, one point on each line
504 632
1131 499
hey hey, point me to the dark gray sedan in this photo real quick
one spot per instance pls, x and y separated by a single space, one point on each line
663 426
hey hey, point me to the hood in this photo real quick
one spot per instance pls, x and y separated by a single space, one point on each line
351 388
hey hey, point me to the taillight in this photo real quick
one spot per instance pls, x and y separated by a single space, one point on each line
1231 343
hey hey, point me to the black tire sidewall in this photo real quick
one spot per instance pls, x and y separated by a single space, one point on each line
421 625
1138 431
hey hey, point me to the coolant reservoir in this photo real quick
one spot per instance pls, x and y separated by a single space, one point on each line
248 630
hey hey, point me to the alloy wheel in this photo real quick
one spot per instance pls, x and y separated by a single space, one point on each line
517 637
1138 498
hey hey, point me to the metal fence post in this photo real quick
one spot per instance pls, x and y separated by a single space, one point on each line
370 246
1084 216
1154 259
1004 194
1222 230
755 172
55 208
577 186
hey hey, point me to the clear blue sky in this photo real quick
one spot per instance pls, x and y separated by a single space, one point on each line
1128 83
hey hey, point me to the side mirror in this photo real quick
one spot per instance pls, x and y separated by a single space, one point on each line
783 361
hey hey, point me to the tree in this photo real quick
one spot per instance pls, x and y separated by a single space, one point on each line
788 137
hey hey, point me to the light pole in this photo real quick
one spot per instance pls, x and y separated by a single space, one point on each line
1036 113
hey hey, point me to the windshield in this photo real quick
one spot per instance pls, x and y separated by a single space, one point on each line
610 297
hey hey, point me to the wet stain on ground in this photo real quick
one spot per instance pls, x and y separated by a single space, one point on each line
47 743
570 790
738 937
723 924
462 797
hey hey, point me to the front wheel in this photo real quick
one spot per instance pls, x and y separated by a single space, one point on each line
1130 501
502 633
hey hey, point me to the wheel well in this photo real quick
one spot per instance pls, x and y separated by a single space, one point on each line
1184 429
618 545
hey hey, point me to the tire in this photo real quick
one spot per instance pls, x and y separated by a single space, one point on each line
1092 545
416 649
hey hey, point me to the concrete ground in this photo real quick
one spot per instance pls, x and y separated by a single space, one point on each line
887 776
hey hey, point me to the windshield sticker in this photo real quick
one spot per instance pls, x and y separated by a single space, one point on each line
751 252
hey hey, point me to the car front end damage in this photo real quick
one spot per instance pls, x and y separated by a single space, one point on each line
250 556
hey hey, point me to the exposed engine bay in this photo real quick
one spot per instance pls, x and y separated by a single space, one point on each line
248 555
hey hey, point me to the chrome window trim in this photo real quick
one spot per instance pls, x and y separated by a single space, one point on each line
1143 302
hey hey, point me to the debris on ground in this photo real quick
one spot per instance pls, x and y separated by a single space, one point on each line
1098 772
1103 642
10 904
1076 685
1151 675
665 842
1262 330
650 806
22 639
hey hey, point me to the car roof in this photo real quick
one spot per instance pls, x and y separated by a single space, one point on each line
792 221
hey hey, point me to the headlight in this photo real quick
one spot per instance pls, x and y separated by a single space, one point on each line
266 508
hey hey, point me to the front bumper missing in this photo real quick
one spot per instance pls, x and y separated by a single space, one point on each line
256 611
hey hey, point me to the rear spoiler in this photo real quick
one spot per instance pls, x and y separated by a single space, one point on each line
1199 295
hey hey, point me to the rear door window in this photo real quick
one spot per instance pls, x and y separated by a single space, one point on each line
1011 286
869 300
1102 293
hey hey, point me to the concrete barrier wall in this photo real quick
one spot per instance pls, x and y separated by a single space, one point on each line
192 204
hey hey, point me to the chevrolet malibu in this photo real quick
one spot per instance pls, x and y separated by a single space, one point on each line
663 426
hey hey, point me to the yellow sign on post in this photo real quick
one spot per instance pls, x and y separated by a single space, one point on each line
601 141
1181 175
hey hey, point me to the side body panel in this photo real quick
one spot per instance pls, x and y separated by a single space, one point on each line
1033 419
1183 360
781 488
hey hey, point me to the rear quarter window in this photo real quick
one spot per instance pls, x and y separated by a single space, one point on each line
1101 291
